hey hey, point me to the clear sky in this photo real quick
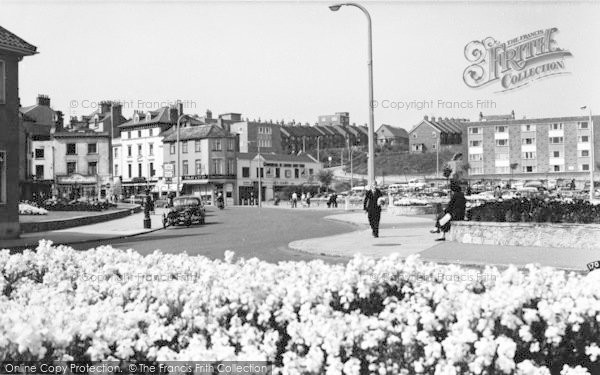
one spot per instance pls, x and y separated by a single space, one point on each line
295 61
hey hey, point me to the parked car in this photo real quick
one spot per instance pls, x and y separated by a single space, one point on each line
186 210
417 184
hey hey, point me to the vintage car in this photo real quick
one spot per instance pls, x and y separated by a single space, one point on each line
186 210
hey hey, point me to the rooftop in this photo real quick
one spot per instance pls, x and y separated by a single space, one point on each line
11 42
302 158
195 132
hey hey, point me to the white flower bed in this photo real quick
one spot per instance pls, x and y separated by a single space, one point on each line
385 316
27 209
410 202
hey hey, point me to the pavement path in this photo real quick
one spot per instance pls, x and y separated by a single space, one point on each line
119 228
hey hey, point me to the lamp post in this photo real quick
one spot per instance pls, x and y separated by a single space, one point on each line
371 160
437 154
259 174
178 169
592 159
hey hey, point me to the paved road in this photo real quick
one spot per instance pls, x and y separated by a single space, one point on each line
250 232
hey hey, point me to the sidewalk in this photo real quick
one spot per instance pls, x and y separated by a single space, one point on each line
131 225
406 235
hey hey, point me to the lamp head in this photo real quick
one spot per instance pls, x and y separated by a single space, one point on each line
335 8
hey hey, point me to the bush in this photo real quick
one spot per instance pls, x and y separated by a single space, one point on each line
368 316
62 205
536 210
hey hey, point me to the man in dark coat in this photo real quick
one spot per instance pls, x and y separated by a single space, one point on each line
372 205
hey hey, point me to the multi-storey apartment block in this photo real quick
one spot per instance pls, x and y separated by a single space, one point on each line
532 148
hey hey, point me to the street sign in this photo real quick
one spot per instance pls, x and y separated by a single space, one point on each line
168 170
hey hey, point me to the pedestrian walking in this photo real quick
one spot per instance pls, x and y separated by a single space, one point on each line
294 199
303 199
454 211
372 205
308 199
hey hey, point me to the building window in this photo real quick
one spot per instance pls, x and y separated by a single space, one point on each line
185 168
501 142
129 170
217 165
527 128
116 152
584 139
39 153
152 171
478 170
129 151
139 169
92 168
261 172
557 126
288 173
184 145
198 167
92 149
2 89
139 134
296 173
475 157
277 173
473 131
556 140
528 141
529 169
556 154
582 124
39 172
216 145
139 150
311 171
556 168
128 135
2 169
197 146
116 171
500 129
584 153
528 155
151 149
172 149
585 167
230 166
230 144
474 144
71 149
245 172
71 167
151 132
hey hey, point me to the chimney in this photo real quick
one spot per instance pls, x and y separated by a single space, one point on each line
60 121
104 107
179 108
209 114
480 116
115 118
513 114
43 100
432 118
426 118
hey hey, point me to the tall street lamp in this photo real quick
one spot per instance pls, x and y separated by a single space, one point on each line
437 154
592 146
178 169
371 160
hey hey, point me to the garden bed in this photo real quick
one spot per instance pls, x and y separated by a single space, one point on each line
385 316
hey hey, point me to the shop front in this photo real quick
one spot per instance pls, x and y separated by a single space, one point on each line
207 187
77 186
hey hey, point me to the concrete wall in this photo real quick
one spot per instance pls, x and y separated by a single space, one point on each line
9 143
586 236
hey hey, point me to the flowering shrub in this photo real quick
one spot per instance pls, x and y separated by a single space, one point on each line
387 316
29 209
536 210
76 205
406 201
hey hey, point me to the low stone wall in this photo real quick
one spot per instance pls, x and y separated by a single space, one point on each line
411 210
43 226
585 236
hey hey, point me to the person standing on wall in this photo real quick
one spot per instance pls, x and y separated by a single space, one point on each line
372 204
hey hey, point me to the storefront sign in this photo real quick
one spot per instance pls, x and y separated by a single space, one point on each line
77 179
208 176
168 170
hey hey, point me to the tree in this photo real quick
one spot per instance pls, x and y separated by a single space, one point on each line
325 177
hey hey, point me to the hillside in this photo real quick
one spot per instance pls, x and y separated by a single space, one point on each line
389 162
